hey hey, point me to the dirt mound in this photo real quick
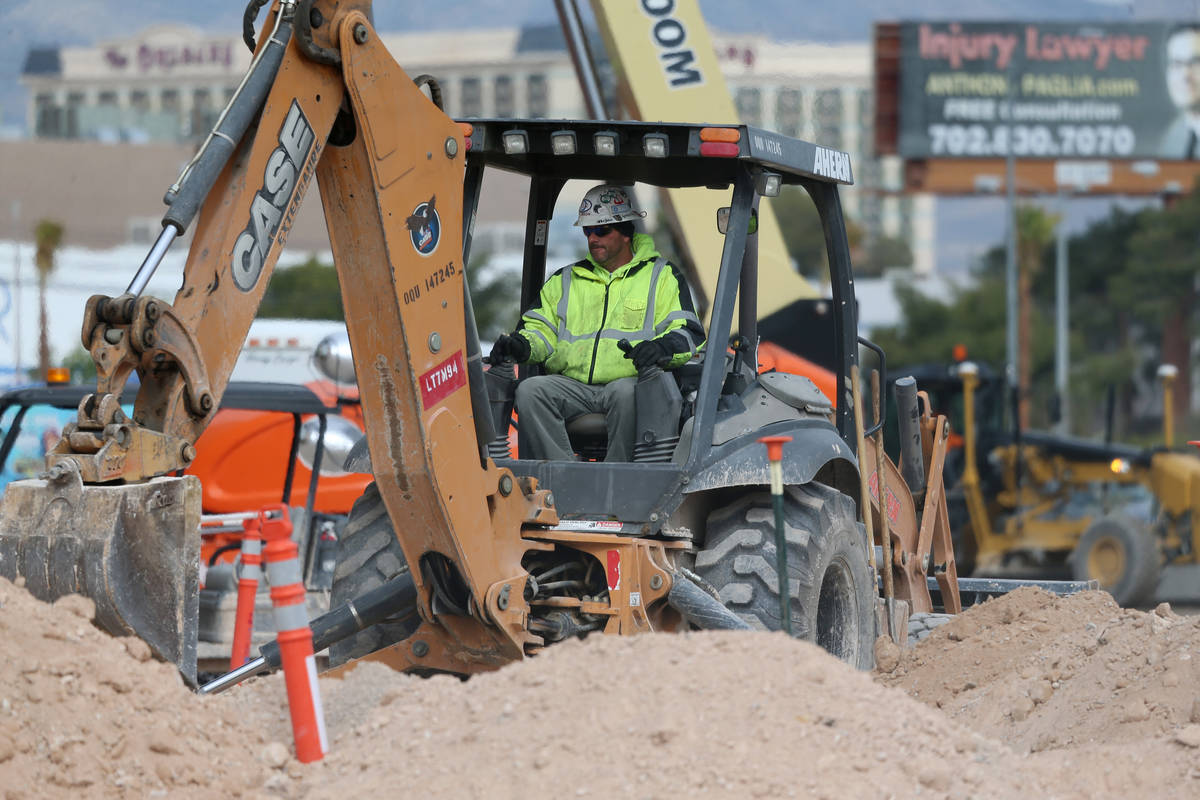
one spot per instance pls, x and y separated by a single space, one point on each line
1027 695
1075 676
711 714
83 714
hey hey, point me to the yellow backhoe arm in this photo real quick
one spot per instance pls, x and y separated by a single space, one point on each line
390 166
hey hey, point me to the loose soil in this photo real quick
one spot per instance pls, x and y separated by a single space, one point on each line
1028 695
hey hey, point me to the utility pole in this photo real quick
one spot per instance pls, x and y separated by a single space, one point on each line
16 226
1061 310
1011 373
1010 265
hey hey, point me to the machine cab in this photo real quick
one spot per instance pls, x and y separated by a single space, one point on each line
710 412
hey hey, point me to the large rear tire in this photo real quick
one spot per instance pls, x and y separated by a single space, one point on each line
832 596
368 555
1122 555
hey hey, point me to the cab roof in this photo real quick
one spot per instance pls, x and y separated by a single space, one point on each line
694 154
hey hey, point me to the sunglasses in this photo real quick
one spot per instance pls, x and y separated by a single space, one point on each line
597 230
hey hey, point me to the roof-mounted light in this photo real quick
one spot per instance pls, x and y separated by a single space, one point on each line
767 184
720 142
720 135
516 143
562 143
654 145
605 143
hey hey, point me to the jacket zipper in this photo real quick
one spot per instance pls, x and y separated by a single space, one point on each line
596 343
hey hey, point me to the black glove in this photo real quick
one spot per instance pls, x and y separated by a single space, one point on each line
649 353
510 345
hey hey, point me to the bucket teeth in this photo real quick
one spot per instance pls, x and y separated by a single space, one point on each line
133 549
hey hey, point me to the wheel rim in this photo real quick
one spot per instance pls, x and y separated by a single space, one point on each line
837 617
1106 562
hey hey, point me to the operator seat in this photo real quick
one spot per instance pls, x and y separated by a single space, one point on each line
588 434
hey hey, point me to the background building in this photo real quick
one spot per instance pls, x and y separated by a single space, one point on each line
167 84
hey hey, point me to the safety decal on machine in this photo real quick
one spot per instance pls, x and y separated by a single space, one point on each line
588 525
539 232
443 380
893 502
614 570
425 227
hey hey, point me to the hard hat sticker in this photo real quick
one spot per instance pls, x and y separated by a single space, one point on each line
425 227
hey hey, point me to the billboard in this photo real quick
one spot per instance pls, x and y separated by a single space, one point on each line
1060 90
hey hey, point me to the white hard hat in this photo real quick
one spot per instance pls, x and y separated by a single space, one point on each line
606 204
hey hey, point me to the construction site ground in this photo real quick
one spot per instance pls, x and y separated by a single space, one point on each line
1027 695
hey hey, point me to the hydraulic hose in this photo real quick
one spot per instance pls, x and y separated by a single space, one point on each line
190 189
702 609
330 628
198 177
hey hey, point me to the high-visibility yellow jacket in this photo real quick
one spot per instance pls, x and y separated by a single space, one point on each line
584 310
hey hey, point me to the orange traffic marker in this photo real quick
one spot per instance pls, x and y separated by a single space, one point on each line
243 618
295 639
775 466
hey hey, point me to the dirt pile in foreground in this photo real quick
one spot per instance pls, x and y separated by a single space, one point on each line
83 714
708 715
1076 676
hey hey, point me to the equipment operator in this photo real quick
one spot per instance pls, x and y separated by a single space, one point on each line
624 289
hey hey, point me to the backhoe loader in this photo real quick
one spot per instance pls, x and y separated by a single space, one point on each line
470 558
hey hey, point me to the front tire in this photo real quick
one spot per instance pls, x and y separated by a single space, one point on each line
369 555
832 596
1122 555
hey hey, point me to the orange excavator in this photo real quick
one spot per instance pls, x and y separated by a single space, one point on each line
460 557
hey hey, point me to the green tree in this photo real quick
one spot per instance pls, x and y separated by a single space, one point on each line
1035 232
883 252
307 291
1102 341
805 238
1131 285
1158 285
495 296
930 328
47 237
81 364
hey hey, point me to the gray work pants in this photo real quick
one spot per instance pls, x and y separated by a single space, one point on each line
546 402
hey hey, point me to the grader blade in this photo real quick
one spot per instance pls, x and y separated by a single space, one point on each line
133 549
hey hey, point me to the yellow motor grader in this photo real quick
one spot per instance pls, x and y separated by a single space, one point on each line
1038 503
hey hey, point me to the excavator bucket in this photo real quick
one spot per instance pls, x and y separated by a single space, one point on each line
133 549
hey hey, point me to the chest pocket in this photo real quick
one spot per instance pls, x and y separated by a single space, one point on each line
632 314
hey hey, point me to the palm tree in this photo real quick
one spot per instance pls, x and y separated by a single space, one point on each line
1035 231
47 236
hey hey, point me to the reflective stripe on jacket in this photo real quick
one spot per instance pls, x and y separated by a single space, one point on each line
584 310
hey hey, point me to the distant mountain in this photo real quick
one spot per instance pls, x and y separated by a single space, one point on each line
65 22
